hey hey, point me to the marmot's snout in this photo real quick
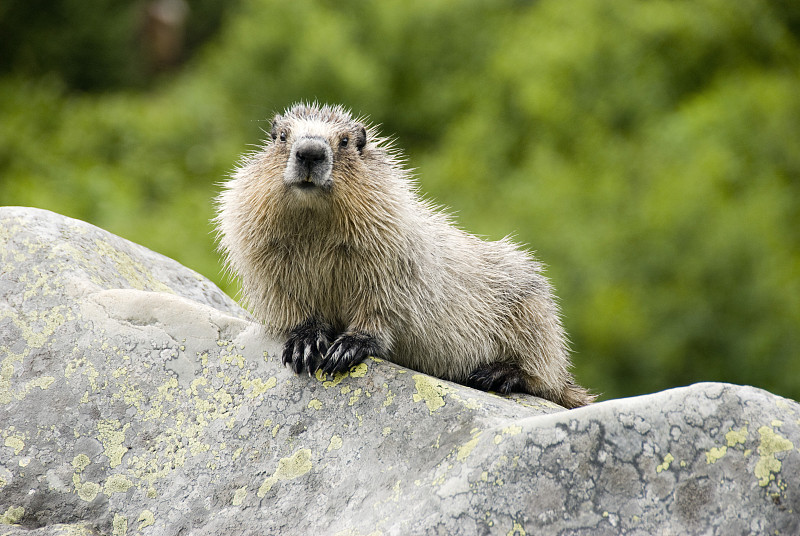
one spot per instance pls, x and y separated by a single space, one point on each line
310 163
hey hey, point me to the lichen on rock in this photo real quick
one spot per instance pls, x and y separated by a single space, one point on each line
136 398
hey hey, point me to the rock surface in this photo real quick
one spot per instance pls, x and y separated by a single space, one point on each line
136 398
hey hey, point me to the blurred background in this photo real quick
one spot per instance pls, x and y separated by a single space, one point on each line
648 151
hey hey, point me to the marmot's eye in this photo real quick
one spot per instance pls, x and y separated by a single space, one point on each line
283 135
344 142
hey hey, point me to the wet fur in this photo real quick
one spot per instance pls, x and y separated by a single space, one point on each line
362 266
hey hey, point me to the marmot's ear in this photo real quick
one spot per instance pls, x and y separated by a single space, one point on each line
274 129
361 138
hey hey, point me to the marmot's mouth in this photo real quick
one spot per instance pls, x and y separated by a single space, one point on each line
306 185
312 182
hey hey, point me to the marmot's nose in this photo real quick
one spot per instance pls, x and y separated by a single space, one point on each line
310 152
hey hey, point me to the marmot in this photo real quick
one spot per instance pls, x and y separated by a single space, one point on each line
337 252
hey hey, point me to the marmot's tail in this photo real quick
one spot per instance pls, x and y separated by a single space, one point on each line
575 396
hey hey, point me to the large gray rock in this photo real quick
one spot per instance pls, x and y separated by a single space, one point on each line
136 398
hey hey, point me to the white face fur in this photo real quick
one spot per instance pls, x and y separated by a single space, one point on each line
313 147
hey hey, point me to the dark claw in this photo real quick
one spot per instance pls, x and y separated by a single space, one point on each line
322 345
306 345
348 350
297 356
499 377
310 359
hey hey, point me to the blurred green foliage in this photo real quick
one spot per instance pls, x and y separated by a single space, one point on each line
649 151
99 45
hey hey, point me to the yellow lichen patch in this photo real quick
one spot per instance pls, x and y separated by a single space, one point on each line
715 454
735 437
136 273
386 431
112 438
80 462
131 394
89 371
120 525
42 282
768 464
224 398
668 459
289 468
355 397
116 484
315 404
178 443
466 449
236 360
146 519
87 491
6 371
15 442
516 529
42 382
12 515
239 496
389 396
337 378
469 403
336 443
431 390
543 403
38 326
507 431
358 371
7 394
259 386
396 493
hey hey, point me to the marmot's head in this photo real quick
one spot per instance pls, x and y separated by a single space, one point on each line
320 170
320 145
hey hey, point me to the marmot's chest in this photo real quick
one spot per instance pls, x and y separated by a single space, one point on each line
320 277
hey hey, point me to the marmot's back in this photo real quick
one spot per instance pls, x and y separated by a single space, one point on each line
336 252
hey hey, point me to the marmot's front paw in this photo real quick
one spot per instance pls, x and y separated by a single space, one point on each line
349 349
307 343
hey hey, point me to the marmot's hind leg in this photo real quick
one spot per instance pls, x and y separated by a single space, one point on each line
499 377
507 378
